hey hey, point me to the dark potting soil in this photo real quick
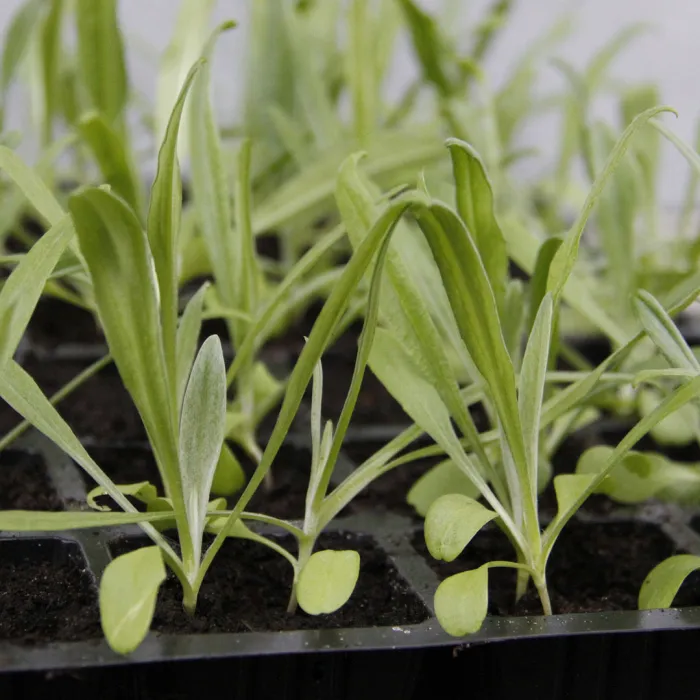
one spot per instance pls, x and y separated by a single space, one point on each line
100 409
390 491
55 323
46 593
593 567
25 483
247 589
290 479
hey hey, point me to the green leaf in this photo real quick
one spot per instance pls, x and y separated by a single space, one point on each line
202 434
362 78
531 384
120 265
680 428
59 90
421 401
229 477
538 281
113 157
185 47
444 478
523 247
661 585
451 522
46 521
327 581
16 40
476 208
22 290
33 187
209 185
246 274
512 313
661 329
566 256
101 56
639 476
413 303
128 592
143 491
163 224
429 45
475 310
461 602
569 487
187 339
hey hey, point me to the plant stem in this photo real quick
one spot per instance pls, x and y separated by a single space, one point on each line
523 577
189 600
306 548
541 585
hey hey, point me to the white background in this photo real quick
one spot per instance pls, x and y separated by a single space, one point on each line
668 55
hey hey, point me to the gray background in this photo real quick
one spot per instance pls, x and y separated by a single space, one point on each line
668 54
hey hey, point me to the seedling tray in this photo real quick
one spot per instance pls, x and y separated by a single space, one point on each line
563 656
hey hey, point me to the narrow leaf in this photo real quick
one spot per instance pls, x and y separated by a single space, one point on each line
128 592
476 208
121 269
187 338
532 381
16 40
113 158
566 256
429 45
101 56
185 47
163 225
25 285
661 329
209 184
33 187
538 282
202 434
327 581
47 521
661 585
461 602
451 523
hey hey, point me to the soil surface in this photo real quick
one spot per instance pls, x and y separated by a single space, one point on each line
25 483
388 492
593 568
46 594
57 323
247 589
100 409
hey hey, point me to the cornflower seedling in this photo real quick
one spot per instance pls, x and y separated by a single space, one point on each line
508 485
180 392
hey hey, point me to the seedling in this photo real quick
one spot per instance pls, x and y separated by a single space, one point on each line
508 483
